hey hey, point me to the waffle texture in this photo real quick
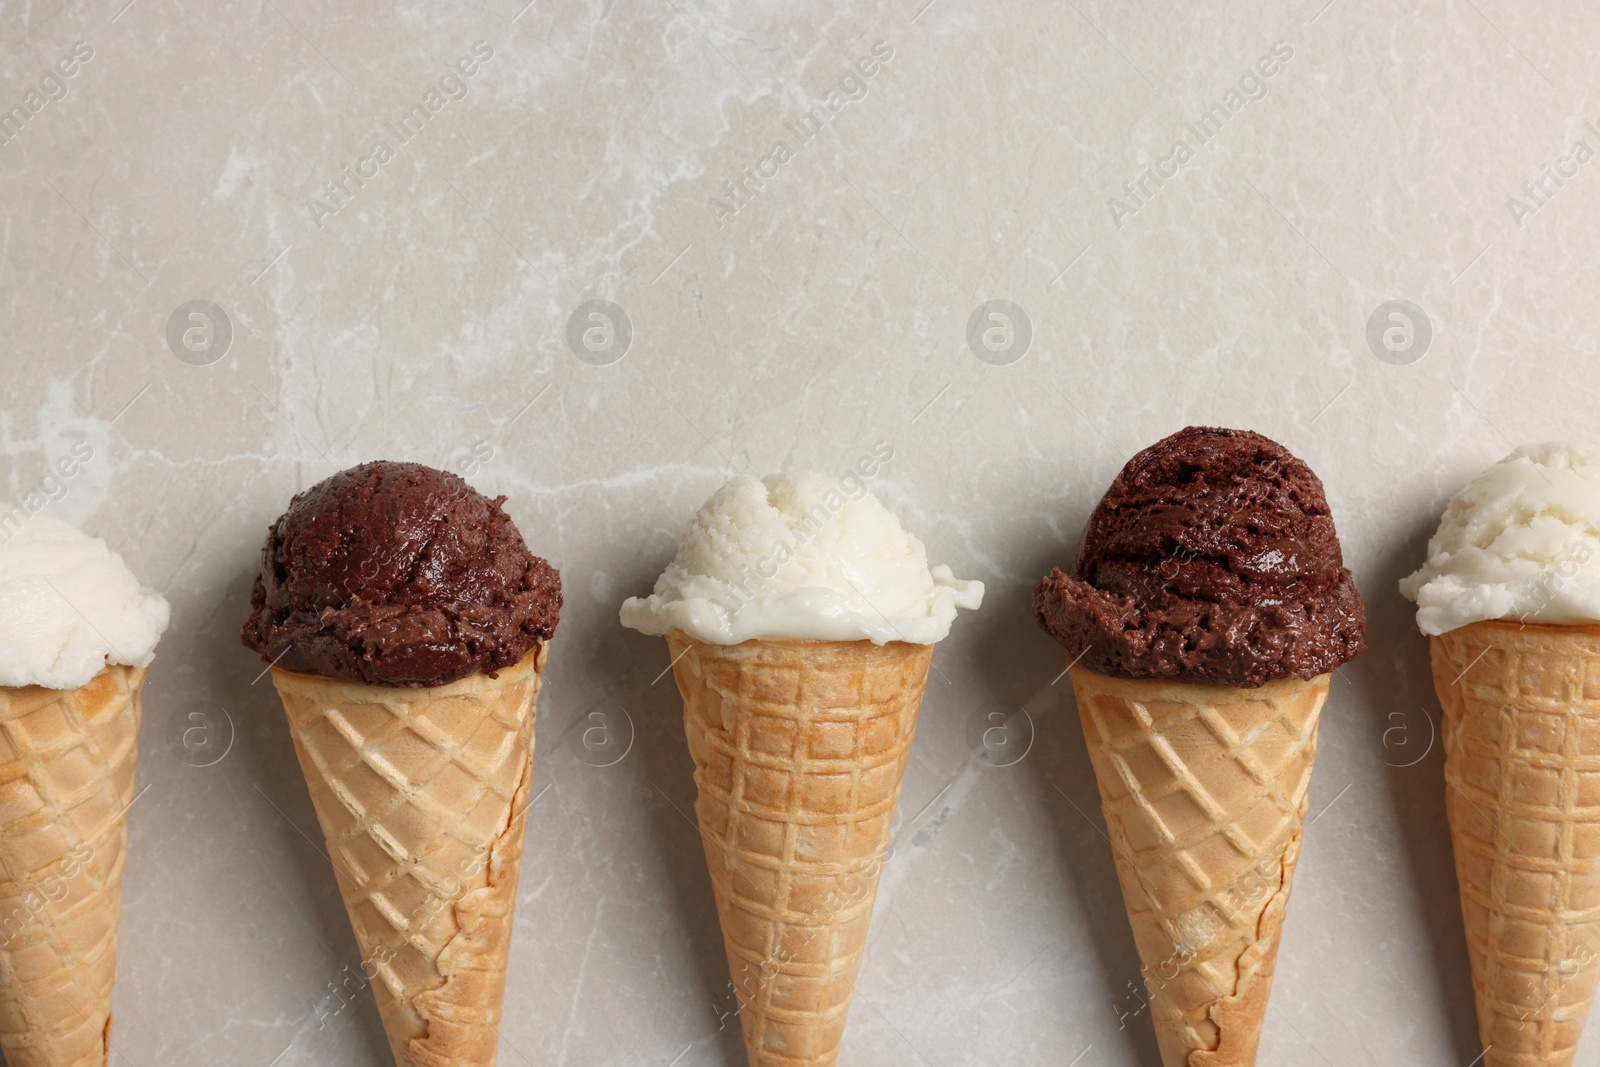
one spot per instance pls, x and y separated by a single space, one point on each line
67 762
1522 776
799 751
422 795
1204 789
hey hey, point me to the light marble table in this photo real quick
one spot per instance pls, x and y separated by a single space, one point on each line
396 220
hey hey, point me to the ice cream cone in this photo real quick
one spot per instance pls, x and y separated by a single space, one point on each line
67 761
422 794
799 750
1204 790
1522 772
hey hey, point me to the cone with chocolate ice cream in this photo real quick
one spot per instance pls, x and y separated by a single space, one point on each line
409 624
1204 791
76 633
1209 605
800 690
1510 599
422 796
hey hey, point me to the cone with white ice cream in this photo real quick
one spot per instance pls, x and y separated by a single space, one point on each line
1510 600
800 618
76 633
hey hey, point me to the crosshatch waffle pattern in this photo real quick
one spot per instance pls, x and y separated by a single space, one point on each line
799 750
1204 789
1522 773
422 795
67 764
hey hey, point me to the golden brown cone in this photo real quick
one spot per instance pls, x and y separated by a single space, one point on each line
422 795
1204 789
799 750
1522 789
67 763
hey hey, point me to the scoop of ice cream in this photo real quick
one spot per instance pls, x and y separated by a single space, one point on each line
1521 541
401 575
801 556
1212 558
69 606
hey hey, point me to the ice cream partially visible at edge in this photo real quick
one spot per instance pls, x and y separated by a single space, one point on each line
69 606
1520 541
397 574
801 556
1212 558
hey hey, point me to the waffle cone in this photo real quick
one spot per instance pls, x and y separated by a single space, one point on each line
799 750
1204 790
1522 773
67 761
422 795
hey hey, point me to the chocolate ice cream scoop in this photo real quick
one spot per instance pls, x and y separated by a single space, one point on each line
401 575
1212 558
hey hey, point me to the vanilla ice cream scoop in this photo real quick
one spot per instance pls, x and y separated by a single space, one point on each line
69 606
801 556
1521 541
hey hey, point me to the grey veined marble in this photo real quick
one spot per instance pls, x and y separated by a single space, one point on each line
598 256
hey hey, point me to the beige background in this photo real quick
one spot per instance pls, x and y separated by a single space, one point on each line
828 313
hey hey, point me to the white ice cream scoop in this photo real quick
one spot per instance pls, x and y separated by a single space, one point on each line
1521 541
801 556
69 606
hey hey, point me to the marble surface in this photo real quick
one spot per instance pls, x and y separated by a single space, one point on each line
437 307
